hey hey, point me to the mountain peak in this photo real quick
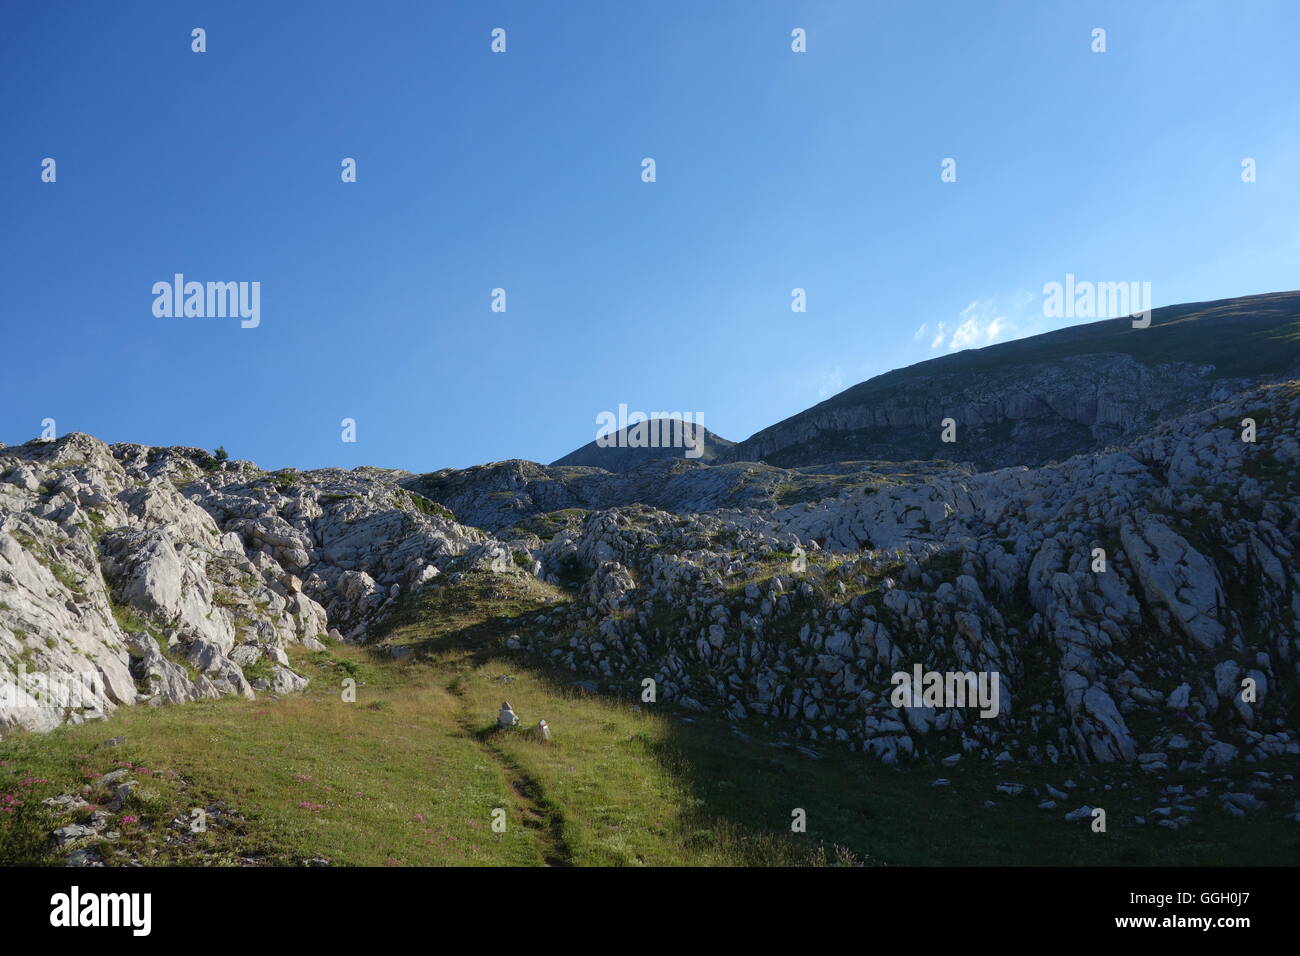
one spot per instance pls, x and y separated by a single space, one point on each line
639 442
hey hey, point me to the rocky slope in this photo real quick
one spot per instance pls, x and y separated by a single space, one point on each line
519 497
158 575
1141 662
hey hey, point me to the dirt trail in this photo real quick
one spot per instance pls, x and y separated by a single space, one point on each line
542 818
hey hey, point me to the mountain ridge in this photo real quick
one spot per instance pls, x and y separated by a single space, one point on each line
1192 354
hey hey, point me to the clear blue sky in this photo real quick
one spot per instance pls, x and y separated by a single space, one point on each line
775 170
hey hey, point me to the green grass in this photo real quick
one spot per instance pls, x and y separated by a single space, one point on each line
411 772
430 508
224 599
813 488
548 524
263 667
312 775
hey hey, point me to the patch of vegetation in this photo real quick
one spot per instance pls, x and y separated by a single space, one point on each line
348 666
810 488
206 463
479 597
98 523
66 577
548 524
27 541
261 669
286 479
430 508
127 619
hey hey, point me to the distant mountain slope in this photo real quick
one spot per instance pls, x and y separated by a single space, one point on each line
1046 397
620 456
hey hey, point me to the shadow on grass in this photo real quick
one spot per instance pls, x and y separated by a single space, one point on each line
749 785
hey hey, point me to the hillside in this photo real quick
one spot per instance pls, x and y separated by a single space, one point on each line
1050 396
294 780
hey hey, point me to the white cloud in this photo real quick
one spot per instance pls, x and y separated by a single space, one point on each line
986 322
831 383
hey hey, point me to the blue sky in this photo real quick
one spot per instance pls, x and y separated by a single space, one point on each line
522 170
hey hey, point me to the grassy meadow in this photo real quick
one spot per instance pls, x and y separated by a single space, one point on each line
414 772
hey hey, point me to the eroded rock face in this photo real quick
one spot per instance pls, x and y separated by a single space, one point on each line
1029 416
1175 577
131 574
1196 532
